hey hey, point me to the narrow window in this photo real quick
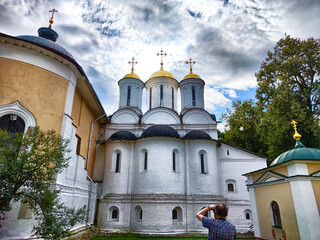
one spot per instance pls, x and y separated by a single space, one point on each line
174 214
114 214
172 98
193 96
230 187
78 144
228 152
276 214
173 161
117 163
128 96
202 163
145 160
248 216
161 95
150 99
140 214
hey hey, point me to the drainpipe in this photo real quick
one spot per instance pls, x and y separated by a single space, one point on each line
91 181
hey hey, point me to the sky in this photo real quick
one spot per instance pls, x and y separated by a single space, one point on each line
227 39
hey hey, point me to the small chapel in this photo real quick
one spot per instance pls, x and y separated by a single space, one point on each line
147 172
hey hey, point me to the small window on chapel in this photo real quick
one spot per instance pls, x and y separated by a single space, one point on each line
78 144
230 187
12 123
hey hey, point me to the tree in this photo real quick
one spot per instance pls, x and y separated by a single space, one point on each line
28 165
243 121
288 88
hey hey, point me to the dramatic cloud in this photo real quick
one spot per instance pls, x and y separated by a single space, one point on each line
227 39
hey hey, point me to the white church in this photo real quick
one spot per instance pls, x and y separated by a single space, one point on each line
159 168
148 172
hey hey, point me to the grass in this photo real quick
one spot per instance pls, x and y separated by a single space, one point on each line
141 237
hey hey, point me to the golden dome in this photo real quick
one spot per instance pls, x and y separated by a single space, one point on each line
191 75
132 75
162 73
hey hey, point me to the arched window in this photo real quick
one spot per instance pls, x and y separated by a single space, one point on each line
145 167
276 219
114 213
247 214
161 95
203 162
15 118
12 123
231 185
177 214
117 162
193 96
172 98
174 164
138 213
150 99
128 95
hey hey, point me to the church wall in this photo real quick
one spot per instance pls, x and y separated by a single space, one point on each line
117 182
316 190
207 183
313 167
82 118
281 193
282 170
159 176
38 90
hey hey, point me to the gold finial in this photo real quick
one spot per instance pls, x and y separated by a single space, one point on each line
296 135
161 54
191 62
132 63
51 20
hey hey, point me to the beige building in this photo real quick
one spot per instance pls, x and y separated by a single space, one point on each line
285 197
42 85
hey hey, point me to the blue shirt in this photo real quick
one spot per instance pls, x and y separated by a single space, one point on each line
219 229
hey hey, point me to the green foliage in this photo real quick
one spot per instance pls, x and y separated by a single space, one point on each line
288 88
28 165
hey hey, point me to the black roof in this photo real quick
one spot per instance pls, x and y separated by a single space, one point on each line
160 131
197 134
123 135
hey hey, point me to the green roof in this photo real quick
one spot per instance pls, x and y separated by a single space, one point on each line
299 152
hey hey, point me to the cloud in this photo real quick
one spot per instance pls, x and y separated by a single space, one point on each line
214 98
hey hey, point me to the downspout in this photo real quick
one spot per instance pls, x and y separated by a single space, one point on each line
89 179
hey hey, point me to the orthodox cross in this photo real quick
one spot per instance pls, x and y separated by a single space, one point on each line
51 20
161 54
296 135
190 62
132 63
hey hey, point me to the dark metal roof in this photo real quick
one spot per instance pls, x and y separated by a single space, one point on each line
197 134
299 152
123 135
46 43
160 131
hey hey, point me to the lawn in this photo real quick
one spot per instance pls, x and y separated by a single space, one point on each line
140 237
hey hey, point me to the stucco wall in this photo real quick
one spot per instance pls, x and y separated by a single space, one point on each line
40 91
281 193
316 190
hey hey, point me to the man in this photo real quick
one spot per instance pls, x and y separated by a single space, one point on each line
219 228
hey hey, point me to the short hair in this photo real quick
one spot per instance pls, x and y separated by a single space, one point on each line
221 210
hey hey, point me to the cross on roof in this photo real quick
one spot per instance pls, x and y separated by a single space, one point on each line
51 20
190 62
132 63
161 54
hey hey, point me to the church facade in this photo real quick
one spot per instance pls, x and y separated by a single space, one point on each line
145 172
159 168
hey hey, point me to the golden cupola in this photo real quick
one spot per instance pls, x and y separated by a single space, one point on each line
162 88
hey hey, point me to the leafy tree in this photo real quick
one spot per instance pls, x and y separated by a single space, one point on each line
288 88
28 165
243 121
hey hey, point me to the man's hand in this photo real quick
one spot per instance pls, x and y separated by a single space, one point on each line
204 211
